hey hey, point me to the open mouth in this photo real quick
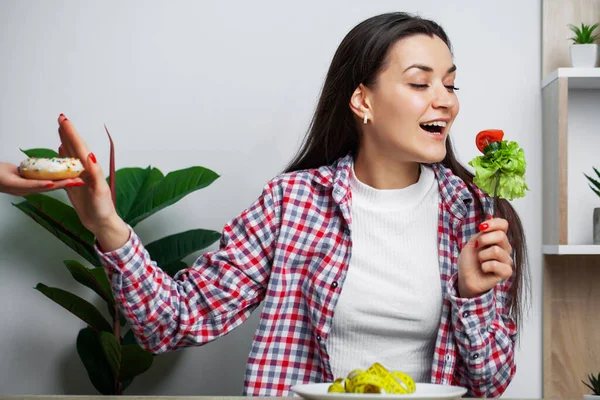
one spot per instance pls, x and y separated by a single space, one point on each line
436 127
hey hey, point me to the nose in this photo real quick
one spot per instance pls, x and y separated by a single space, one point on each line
443 98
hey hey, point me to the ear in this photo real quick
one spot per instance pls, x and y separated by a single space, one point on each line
360 102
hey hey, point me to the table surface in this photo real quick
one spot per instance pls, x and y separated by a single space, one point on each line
125 397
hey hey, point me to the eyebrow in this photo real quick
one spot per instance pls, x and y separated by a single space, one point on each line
429 69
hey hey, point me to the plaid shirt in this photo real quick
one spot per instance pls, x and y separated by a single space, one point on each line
291 250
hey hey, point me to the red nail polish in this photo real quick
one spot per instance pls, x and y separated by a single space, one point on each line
49 185
483 227
73 184
66 119
61 115
93 158
476 243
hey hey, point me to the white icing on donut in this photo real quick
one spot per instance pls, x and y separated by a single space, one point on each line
51 164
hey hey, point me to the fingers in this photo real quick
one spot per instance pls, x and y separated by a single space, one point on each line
19 186
494 224
73 144
93 169
495 253
495 238
500 270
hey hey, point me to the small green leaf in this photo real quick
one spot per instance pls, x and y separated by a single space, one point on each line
40 153
135 361
593 181
77 306
62 214
90 352
170 190
174 247
112 352
129 338
111 311
595 190
128 182
75 242
126 361
583 35
173 268
94 279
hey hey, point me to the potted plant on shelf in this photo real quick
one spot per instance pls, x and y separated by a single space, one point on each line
594 385
583 50
109 352
595 186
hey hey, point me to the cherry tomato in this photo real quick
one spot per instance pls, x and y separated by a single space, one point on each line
487 137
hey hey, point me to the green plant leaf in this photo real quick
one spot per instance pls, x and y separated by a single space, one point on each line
111 311
171 189
174 247
79 242
174 268
93 359
583 35
94 278
127 361
129 182
155 176
77 306
135 361
40 153
112 351
62 214
129 338
595 190
593 181
125 383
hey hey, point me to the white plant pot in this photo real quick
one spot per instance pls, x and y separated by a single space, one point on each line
583 55
591 396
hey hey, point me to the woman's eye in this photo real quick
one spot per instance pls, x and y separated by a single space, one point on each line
451 88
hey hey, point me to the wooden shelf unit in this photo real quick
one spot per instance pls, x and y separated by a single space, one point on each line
571 271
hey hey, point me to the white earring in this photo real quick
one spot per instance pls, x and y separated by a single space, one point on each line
365 119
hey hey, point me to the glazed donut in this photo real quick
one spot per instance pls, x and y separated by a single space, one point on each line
50 168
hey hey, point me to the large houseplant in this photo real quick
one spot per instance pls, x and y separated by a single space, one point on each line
113 360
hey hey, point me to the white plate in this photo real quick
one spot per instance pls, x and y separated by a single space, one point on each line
318 391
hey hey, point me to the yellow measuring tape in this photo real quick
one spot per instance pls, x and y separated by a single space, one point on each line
376 379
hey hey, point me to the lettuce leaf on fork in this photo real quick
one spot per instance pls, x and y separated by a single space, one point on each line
509 160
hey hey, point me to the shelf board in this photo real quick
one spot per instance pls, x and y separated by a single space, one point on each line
579 78
578 249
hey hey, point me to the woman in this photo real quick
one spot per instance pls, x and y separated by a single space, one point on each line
374 203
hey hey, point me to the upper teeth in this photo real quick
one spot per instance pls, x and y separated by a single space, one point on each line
436 123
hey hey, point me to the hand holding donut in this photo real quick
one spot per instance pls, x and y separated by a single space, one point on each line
13 182
485 260
93 200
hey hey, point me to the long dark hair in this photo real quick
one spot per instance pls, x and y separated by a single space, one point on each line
333 131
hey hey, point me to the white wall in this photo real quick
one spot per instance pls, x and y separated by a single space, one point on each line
583 144
229 86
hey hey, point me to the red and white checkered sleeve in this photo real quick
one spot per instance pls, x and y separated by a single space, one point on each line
212 297
485 337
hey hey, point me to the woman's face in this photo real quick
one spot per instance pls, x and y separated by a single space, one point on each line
413 103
